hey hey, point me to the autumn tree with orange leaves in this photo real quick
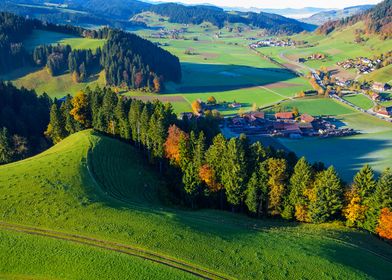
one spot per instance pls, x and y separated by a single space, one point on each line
384 228
172 147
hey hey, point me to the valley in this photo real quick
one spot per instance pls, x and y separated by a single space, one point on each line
167 141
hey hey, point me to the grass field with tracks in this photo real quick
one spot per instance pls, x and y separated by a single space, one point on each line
360 100
100 188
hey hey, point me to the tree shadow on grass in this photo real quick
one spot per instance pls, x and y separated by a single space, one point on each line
200 78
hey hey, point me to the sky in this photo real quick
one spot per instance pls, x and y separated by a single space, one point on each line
279 4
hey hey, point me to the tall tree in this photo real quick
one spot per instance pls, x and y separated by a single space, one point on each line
257 191
328 200
56 128
81 109
5 147
277 171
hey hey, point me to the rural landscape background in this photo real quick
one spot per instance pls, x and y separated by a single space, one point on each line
144 140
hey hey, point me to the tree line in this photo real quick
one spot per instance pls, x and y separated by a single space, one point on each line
204 169
198 14
24 117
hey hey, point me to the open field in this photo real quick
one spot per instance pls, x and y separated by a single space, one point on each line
79 187
348 154
383 75
39 257
41 37
59 86
360 100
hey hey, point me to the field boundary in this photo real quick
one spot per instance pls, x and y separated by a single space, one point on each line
116 247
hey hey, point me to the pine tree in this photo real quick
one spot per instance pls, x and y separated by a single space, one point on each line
257 191
328 201
56 128
277 171
214 156
300 182
364 182
71 126
381 198
234 172
134 119
5 147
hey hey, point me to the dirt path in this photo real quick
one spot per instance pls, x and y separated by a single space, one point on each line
116 247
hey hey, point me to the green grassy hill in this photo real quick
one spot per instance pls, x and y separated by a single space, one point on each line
92 191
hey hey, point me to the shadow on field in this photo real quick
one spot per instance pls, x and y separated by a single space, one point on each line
200 78
364 258
347 155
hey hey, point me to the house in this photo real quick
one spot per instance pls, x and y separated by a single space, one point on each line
284 116
185 115
287 128
306 118
385 111
375 96
235 105
379 87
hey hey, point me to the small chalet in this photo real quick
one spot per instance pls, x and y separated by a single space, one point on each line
284 116
379 87
305 118
385 111
287 128
375 96
235 105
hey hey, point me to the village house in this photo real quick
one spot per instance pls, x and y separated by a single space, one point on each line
385 111
375 96
284 116
379 87
306 118
235 105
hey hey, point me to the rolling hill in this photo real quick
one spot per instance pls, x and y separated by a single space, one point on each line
94 195
324 16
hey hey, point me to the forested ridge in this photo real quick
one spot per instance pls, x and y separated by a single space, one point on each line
274 24
377 20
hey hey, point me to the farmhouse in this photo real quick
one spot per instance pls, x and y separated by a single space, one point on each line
235 105
284 116
379 87
385 111
305 118
375 96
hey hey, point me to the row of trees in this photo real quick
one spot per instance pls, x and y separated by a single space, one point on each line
206 170
24 117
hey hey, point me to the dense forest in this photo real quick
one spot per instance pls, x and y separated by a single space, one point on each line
377 20
204 169
275 24
24 117
137 63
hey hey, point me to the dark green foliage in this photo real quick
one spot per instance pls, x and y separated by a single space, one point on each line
257 191
364 182
5 147
328 200
134 62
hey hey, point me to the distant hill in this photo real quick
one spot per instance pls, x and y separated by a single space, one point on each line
324 16
118 12
274 24
378 20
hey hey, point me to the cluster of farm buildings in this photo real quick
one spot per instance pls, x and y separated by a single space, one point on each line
285 124
273 43
169 34
315 56
363 65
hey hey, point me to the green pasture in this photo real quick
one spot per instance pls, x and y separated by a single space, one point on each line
59 86
382 75
41 37
360 101
317 106
26 256
100 187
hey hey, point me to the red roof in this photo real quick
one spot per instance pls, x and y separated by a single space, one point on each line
259 115
307 118
284 115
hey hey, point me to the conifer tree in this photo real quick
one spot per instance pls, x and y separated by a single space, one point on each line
277 171
5 147
328 199
300 182
56 128
257 191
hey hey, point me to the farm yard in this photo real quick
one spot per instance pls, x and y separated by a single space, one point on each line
93 197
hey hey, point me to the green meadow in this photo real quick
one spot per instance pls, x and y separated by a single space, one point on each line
360 101
98 187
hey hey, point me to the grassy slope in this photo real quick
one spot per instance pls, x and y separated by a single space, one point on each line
56 190
383 75
36 257
360 101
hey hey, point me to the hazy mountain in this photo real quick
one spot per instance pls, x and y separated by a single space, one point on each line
324 16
